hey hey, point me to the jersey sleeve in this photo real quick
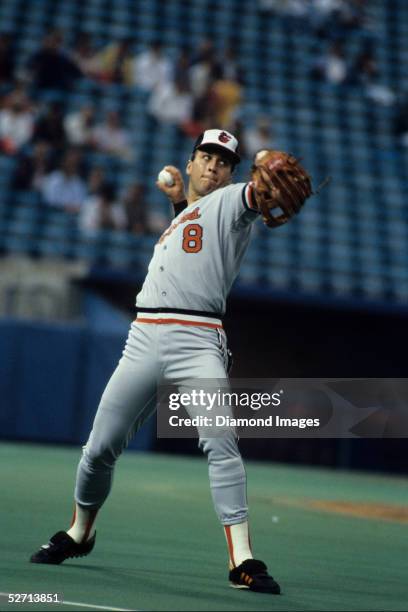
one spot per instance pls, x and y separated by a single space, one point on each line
239 205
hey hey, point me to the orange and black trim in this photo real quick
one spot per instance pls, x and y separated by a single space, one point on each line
248 199
253 574
245 578
168 321
182 311
230 545
92 516
178 316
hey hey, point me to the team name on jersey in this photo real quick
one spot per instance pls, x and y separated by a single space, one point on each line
190 216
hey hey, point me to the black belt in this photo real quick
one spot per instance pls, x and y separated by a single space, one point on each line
199 313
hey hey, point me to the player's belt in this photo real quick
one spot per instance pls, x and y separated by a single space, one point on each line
168 316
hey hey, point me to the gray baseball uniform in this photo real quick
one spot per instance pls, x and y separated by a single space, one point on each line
177 336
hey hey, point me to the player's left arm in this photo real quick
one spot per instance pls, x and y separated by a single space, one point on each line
277 191
175 192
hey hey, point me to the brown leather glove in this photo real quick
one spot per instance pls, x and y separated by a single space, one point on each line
281 186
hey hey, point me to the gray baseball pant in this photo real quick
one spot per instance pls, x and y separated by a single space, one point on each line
155 354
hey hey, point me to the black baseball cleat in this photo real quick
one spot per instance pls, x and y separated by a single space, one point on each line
60 547
253 575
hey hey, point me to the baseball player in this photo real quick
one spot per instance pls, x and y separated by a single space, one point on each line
178 336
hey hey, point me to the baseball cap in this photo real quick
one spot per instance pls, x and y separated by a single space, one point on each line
219 139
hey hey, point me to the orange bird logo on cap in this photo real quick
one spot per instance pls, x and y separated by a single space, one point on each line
224 137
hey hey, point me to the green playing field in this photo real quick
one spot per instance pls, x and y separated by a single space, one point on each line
160 547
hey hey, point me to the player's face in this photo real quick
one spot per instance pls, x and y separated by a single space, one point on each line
208 171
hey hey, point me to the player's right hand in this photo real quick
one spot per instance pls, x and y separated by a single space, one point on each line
176 192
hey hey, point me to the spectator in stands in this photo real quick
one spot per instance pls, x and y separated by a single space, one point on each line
101 211
365 72
332 67
231 67
51 67
204 64
204 50
134 205
151 68
227 95
379 93
112 138
18 93
16 123
182 64
79 126
328 18
83 54
64 188
32 169
218 102
96 180
171 102
49 127
323 13
7 59
216 87
203 114
294 12
113 64
333 18
352 14
258 137
296 9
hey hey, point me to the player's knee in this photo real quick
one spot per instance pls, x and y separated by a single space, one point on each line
225 465
99 456
220 448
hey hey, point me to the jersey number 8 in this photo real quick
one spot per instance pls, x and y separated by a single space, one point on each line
193 238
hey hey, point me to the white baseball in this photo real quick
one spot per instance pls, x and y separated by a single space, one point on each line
166 178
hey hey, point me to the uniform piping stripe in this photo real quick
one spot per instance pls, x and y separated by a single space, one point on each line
248 199
179 322
229 542
73 517
251 199
89 524
155 316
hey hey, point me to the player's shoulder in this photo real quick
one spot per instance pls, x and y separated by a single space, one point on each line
222 193
230 193
239 194
233 189
226 199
